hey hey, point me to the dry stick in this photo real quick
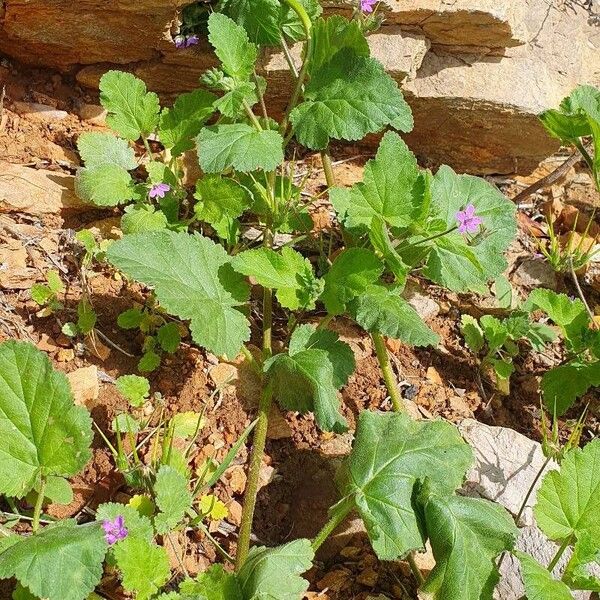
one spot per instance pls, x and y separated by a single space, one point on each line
580 292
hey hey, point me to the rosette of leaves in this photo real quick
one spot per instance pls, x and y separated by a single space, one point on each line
401 477
562 385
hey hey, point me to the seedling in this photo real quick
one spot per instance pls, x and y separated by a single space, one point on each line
47 295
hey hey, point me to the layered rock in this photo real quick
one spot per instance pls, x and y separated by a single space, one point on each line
476 72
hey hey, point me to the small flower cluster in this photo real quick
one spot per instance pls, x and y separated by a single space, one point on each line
185 41
114 531
366 6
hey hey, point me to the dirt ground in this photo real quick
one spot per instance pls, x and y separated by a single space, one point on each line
300 461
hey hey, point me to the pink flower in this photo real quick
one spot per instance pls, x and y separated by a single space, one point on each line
467 220
114 530
159 190
180 41
367 5
192 41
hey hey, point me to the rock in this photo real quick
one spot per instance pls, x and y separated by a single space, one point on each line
85 385
533 273
235 513
39 112
420 301
37 192
94 114
506 464
368 577
46 344
335 580
532 541
434 376
278 428
223 375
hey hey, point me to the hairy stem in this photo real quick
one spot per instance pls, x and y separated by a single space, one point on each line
559 553
328 168
580 293
252 116
37 511
288 57
410 559
340 512
258 447
388 373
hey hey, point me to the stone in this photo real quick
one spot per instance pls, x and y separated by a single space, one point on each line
278 428
39 112
234 516
85 385
533 273
37 191
420 301
94 114
506 464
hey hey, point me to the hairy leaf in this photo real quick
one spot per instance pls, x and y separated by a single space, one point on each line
388 190
472 333
135 388
568 502
586 554
391 453
382 310
452 262
232 46
562 385
142 217
137 525
465 531
220 197
61 562
240 147
180 124
105 185
306 379
290 23
539 583
274 573
169 337
351 273
132 110
260 18
144 566
172 498
286 271
214 584
42 432
98 149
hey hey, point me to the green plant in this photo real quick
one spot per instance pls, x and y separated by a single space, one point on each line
46 295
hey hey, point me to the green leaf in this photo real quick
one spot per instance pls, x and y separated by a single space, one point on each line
130 318
260 18
42 432
465 531
454 263
240 147
172 498
503 368
274 573
97 149
214 584
290 24
135 388
539 583
231 104
61 562
168 337
286 271
125 423
193 280
144 566
142 217
389 189
232 46
86 316
347 98
219 198
391 453
568 501
186 424
41 294
180 124
379 237
495 332
105 185
306 379
562 385
149 362
55 282
351 273
137 525
58 490
382 310
132 110
585 555
472 333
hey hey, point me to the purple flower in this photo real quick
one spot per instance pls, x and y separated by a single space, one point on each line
180 41
114 530
159 190
467 220
192 41
367 5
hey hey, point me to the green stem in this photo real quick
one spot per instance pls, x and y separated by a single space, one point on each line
258 447
585 154
415 569
288 57
299 9
147 146
252 116
341 511
37 511
432 237
388 373
328 168
559 553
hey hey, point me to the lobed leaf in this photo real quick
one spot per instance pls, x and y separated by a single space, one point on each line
135 388
219 198
586 554
539 583
260 18
193 279
562 385
105 185
42 432
97 149
172 498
